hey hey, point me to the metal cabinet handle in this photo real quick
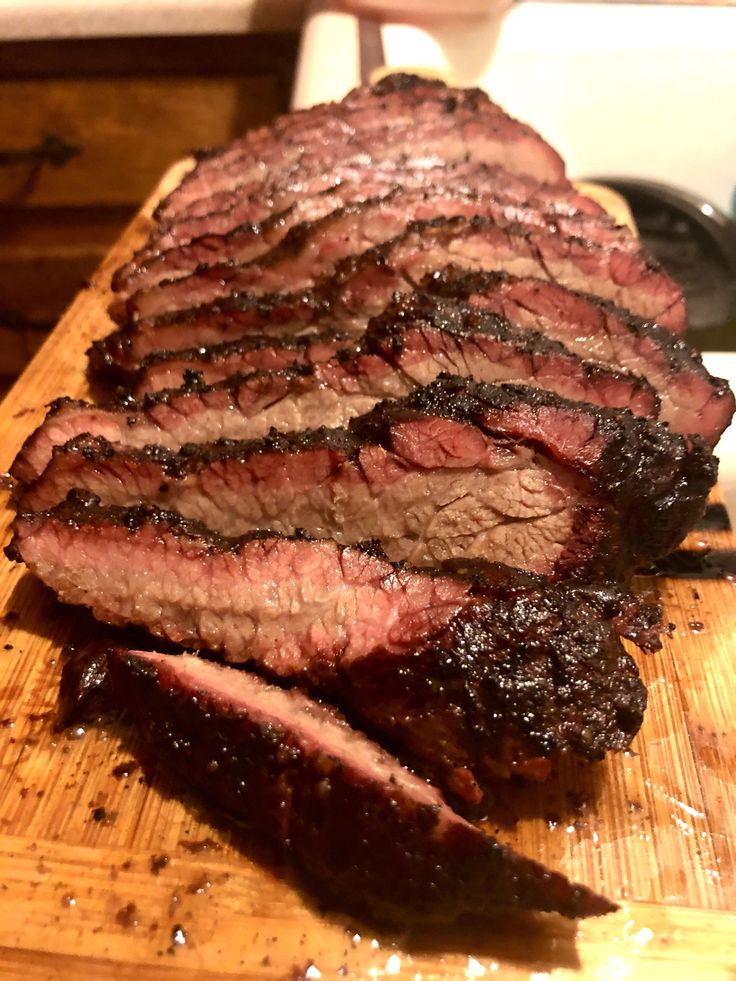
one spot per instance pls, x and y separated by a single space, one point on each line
52 149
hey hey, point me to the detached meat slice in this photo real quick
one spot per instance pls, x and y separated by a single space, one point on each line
458 470
692 400
351 182
332 392
475 676
357 824
409 121
310 251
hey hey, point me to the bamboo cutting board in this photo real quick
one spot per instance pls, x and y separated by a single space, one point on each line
104 873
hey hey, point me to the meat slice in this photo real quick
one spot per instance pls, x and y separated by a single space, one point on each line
355 823
333 391
481 674
242 243
351 182
172 369
311 251
418 121
497 500
457 470
692 400
365 283
122 352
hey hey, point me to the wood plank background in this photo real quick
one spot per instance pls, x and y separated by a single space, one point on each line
103 869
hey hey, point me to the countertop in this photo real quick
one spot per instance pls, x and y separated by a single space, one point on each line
24 20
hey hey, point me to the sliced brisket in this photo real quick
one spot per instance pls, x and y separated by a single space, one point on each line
457 470
481 674
419 336
461 494
241 244
352 181
122 352
535 204
692 400
311 251
364 285
332 392
240 407
357 824
420 121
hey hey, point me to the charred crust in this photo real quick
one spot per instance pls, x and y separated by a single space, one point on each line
404 82
531 700
462 320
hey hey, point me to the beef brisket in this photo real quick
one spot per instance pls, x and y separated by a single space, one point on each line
240 407
351 181
364 285
354 822
332 392
310 251
405 413
482 673
245 241
419 122
122 351
420 337
457 470
484 497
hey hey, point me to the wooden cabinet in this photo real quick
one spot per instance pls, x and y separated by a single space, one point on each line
122 132
86 130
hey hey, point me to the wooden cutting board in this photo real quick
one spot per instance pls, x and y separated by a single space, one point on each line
103 872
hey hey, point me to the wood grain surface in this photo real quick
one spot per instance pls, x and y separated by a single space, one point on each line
105 869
